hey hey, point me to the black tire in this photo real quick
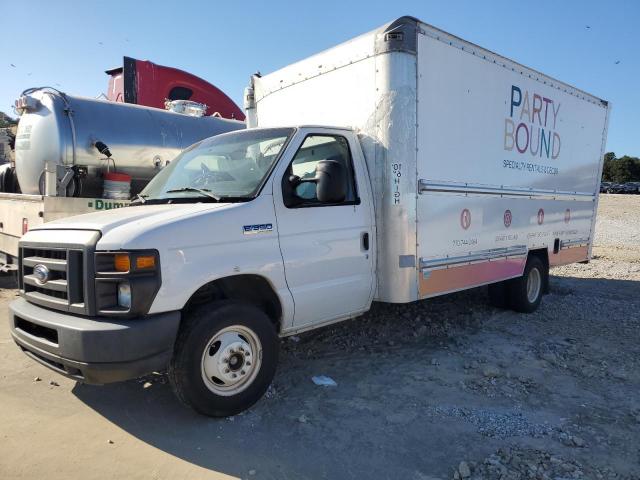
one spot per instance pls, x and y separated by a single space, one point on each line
518 288
498 295
8 179
195 337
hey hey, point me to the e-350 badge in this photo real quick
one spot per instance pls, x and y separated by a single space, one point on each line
261 228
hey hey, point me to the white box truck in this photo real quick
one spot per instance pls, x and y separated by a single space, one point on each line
418 164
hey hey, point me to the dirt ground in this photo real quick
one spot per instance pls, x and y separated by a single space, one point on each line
448 388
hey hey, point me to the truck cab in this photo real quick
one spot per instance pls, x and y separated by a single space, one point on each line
270 231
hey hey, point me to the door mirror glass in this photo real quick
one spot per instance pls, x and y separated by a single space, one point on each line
330 182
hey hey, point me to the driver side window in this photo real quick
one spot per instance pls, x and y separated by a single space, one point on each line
314 149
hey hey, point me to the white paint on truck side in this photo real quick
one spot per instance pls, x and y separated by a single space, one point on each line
520 152
485 124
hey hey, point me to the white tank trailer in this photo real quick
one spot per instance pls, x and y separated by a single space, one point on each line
79 139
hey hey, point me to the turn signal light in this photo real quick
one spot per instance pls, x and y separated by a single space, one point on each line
145 261
121 262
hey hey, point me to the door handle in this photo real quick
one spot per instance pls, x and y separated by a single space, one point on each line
365 241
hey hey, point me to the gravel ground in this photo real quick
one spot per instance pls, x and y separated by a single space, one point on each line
447 388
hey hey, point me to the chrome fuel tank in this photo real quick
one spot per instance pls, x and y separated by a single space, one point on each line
64 129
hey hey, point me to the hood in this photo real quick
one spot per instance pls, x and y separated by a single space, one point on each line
140 218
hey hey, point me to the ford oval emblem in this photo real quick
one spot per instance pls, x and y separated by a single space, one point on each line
41 272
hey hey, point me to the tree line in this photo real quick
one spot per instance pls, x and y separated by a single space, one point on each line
620 170
6 120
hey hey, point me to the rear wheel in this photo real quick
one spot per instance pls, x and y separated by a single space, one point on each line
224 359
525 293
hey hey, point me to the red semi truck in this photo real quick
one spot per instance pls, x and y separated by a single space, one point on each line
145 83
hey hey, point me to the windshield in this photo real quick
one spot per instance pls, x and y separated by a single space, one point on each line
229 166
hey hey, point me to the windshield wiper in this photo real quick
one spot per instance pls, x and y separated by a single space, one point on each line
206 193
140 198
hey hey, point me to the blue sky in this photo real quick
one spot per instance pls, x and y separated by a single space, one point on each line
69 44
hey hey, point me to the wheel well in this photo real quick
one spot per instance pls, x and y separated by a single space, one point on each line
252 289
543 255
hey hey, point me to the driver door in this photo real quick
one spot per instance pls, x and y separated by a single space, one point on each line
326 248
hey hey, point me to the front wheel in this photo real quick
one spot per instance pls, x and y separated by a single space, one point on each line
224 359
525 293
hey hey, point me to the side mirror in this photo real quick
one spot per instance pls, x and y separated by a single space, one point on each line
330 182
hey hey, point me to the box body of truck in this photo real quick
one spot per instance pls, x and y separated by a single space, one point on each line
475 160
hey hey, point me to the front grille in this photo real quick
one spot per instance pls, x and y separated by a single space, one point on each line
46 291
63 286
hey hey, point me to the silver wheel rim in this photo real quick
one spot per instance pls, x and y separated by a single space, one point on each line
534 281
231 360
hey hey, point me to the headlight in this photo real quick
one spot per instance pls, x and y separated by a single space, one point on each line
126 282
124 295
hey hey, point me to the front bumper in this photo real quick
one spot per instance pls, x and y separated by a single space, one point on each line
94 350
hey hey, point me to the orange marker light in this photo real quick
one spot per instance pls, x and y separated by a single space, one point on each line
121 262
147 261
